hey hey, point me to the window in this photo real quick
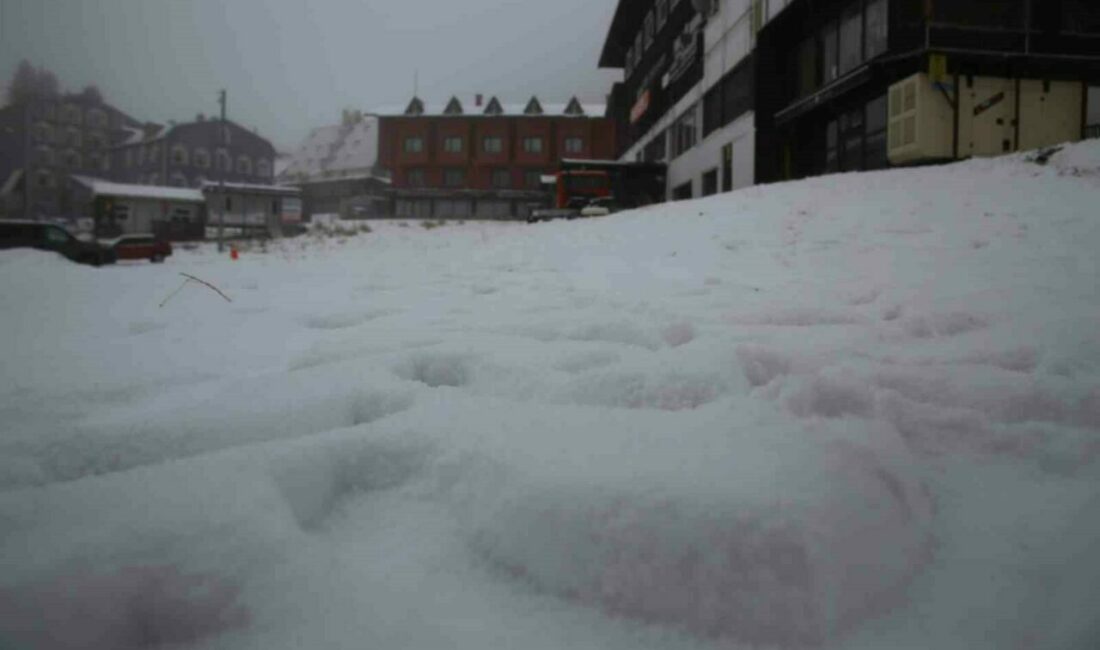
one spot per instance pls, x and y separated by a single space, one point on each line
263 168
454 177
532 145
43 132
878 28
850 127
179 155
97 141
44 178
71 114
97 119
154 179
201 158
140 156
501 179
73 160
223 162
244 165
682 192
532 179
628 68
129 158
95 161
43 155
730 98
415 178
710 182
178 180
684 132
649 30
574 145
830 67
662 13
452 144
808 68
414 145
657 149
851 38
453 208
56 237
74 138
639 47
727 168
876 127
154 153
493 144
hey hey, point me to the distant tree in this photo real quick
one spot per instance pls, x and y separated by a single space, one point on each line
47 83
28 82
92 94
24 83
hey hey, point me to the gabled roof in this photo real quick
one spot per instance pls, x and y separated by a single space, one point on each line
533 107
574 108
494 107
416 107
156 192
454 107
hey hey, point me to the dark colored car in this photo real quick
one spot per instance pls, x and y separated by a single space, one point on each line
141 247
50 237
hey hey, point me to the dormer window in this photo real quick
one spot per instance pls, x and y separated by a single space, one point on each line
415 108
534 107
454 107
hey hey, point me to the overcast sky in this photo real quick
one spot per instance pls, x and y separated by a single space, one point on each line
291 65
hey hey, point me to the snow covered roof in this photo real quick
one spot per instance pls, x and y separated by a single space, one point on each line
251 187
340 150
107 188
474 105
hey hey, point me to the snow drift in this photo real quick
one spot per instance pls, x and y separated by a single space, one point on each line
854 412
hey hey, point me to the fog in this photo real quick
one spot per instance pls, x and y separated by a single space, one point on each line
291 65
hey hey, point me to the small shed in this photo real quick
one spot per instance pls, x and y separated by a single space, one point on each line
175 213
245 210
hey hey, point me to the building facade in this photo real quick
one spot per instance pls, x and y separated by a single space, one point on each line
480 158
790 88
44 140
337 170
194 153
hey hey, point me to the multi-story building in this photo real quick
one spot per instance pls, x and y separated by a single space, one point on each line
337 169
45 139
483 159
191 154
736 92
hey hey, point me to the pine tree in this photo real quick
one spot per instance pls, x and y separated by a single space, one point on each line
24 83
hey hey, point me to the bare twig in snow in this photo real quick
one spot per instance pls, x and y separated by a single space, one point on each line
191 278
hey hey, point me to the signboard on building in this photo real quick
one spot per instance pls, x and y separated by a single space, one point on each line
291 210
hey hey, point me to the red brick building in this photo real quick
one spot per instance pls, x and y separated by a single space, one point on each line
484 159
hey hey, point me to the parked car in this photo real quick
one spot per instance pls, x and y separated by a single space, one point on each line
50 237
600 207
140 247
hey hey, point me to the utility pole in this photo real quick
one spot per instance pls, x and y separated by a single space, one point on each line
221 174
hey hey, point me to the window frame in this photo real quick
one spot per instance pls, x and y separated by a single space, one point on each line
498 144
530 147
413 144
449 140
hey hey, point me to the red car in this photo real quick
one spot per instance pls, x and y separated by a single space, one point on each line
141 247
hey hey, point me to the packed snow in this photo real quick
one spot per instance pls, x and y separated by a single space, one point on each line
856 412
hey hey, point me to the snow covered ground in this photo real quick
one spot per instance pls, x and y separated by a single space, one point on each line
857 412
